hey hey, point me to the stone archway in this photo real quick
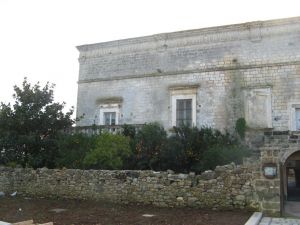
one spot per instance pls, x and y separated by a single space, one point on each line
287 154
291 176
290 181
290 170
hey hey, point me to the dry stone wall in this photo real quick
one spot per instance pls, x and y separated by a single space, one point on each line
227 187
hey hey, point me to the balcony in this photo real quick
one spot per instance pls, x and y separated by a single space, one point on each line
98 129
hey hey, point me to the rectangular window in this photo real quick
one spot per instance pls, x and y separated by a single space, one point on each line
183 106
109 114
184 112
109 118
297 119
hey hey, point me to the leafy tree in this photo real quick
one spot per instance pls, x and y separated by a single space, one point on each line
29 128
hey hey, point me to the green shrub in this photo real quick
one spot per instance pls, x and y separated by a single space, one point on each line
147 146
110 152
173 156
11 164
72 149
219 155
186 149
129 130
193 143
240 127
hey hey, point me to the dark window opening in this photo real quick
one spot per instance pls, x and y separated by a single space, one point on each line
184 112
109 118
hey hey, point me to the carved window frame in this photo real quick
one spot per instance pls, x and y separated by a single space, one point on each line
292 115
179 93
265 91
109 108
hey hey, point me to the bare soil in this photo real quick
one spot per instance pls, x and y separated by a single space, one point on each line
90 212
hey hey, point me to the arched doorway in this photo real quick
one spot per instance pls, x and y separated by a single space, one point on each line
292 177
291 182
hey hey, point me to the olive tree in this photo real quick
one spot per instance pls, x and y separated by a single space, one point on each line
30 126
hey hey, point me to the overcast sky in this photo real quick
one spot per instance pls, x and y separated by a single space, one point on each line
38 37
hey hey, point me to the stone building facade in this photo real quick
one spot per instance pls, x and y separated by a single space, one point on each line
207 77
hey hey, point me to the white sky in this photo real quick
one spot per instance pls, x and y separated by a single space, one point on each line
38 37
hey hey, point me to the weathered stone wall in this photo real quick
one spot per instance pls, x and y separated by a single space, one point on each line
274 147
227 187
148 99
222 61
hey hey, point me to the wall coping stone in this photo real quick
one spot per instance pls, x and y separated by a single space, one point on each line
253 31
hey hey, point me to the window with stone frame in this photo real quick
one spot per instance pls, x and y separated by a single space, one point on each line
297 118
258 107
109 114
183 105
294 117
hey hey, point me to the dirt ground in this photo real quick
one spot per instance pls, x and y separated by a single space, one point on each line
89 212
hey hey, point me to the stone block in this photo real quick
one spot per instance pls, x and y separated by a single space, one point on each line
207 175
271 205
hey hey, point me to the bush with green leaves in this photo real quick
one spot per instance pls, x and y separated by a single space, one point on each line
188 147
219 155
72 149
111 152
173 156
129 130
240 127
147 145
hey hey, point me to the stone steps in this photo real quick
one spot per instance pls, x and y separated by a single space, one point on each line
27 222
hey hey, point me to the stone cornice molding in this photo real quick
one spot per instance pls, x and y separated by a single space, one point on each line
252 31
184 87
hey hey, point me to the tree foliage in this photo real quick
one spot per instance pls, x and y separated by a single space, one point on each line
29 128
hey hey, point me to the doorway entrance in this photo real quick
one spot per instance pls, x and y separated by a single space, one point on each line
291 184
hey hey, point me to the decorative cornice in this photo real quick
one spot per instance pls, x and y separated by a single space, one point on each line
252 31
184 87
111 100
